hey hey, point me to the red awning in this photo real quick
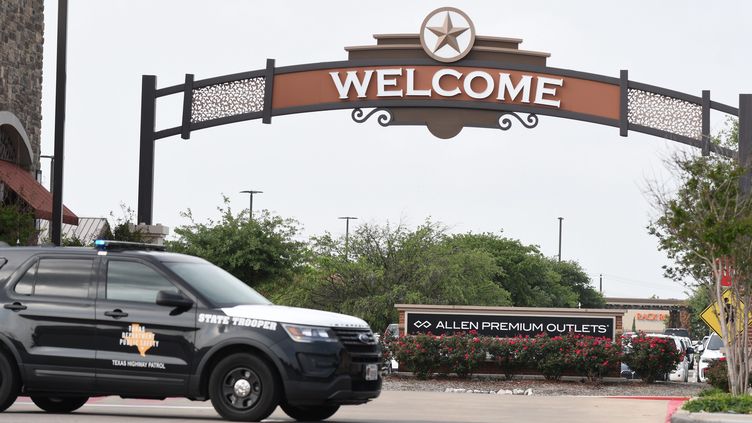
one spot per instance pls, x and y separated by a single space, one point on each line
25 186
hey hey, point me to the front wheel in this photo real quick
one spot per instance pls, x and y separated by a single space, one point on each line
9 382
59 404
242 388
311 413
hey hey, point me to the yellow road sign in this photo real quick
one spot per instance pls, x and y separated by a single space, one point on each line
711 315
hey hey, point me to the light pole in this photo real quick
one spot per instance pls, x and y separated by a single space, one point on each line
56 221
52 169
347 231
560 219
250 207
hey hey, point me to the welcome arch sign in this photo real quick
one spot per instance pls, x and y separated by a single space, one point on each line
446 77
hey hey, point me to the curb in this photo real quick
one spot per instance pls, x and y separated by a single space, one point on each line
681 416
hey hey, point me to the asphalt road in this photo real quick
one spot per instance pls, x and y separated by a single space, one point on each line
391 407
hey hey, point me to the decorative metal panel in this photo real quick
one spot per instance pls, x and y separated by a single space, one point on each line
665 113
228 99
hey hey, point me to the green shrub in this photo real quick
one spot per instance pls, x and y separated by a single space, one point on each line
717 374
509 354
419 353
552 355
652 357
594 357
720 403
710 392
462 352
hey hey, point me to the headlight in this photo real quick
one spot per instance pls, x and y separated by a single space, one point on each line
300 333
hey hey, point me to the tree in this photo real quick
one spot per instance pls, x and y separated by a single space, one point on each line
263 251
16 225
697 303
706 222
389 265
532 279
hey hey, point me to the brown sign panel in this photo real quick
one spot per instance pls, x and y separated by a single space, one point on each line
486 87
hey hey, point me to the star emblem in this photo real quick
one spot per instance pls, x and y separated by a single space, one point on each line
447 34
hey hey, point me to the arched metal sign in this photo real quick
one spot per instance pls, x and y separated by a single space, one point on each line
445 78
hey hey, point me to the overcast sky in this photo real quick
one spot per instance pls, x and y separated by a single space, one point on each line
315 167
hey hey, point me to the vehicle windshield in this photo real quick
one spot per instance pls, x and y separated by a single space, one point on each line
216 285
715 343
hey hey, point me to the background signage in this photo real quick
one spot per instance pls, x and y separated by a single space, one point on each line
508 326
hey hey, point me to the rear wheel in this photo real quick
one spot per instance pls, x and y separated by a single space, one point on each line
242 388
59 404
9 382
311 413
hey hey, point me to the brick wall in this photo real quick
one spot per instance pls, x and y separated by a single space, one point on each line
21 40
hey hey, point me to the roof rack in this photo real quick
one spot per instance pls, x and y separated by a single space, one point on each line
110 245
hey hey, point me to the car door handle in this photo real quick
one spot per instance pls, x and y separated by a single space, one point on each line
15 306
117 313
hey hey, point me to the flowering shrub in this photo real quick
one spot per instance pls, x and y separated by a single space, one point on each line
717 374
594 357
419 353
551 355
652 357
509 354
462 352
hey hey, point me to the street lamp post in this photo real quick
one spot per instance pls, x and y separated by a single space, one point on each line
347 232
52 169
560 219
250 207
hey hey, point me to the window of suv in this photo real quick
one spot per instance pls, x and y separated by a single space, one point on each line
134 281
218 286
60 277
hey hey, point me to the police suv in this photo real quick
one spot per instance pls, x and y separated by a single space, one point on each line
132 320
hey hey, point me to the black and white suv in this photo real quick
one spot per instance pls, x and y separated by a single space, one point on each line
131 320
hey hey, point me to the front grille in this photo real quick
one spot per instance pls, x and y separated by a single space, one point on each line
352 336
351 339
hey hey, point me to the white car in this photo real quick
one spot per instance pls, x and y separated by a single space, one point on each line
392 331
712 349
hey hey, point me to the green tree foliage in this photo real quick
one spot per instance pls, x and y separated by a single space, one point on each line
124 228
16 225
262 251
392 265
706 222
697 302
532 279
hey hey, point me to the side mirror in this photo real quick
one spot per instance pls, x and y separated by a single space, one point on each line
690 350
173 299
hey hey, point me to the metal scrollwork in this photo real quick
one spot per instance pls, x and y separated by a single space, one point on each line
531 121
228 99
665 113
384 117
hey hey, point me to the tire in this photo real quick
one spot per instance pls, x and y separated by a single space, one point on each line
259 394
313 413
10 383
59 404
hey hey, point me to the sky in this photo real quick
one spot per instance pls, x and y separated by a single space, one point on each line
315 167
